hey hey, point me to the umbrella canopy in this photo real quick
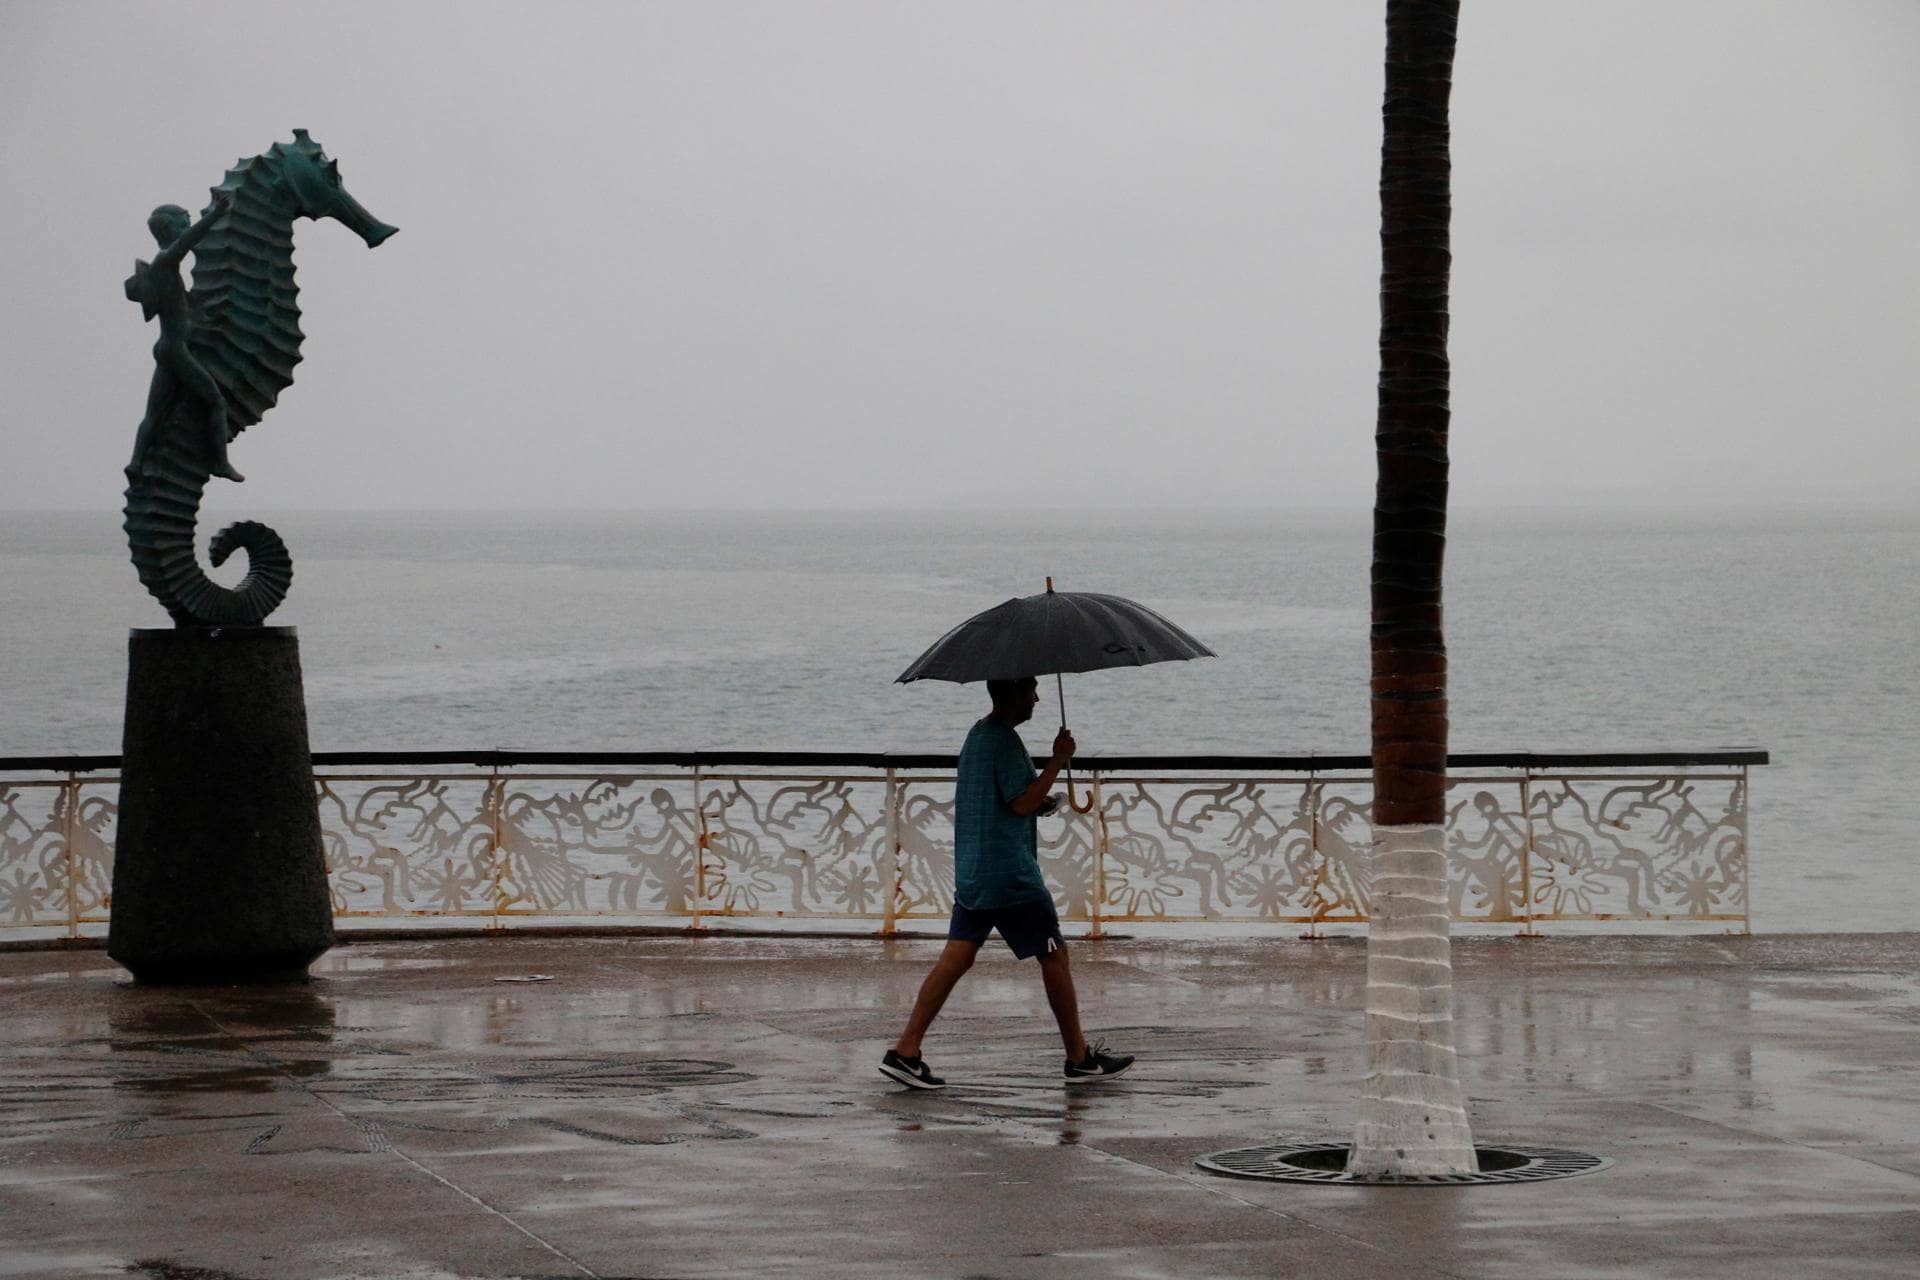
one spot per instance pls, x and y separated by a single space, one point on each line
1054 632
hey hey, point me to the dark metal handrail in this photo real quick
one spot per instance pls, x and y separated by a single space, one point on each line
1309 763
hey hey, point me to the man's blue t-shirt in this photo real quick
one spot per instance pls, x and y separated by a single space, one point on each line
996 859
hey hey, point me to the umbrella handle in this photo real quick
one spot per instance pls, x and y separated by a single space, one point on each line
1061 690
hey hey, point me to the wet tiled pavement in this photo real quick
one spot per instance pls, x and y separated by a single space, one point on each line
709 1107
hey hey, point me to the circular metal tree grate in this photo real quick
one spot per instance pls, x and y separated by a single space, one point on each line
1326 1162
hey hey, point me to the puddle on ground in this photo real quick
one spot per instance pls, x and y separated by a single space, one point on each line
167 1269
66 976
26 1262
333 963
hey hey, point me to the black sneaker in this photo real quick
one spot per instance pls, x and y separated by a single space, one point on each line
1098 1064
911 1072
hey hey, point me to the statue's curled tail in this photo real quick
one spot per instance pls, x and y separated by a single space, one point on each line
162 504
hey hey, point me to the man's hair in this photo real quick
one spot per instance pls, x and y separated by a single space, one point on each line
1005 691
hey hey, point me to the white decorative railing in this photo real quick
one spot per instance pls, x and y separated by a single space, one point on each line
499 837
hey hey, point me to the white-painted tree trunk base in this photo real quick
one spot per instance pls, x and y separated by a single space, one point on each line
1413 1116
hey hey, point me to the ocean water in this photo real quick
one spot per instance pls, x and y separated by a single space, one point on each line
1596 630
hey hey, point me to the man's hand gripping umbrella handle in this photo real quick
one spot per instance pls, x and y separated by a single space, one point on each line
1060 689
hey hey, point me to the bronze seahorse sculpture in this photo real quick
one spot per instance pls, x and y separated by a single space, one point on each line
227 350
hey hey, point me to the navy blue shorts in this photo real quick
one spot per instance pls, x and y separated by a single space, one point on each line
1029 928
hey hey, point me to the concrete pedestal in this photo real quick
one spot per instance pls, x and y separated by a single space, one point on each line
218 871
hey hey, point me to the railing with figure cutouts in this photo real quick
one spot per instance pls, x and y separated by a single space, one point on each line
498 837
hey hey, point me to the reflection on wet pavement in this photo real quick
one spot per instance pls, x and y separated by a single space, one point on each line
713 1108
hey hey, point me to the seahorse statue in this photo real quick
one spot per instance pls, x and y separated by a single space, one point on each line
226 351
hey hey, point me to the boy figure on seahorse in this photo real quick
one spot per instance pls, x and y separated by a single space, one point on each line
157 287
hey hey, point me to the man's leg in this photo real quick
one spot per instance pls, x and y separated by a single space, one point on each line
954 961
1058 977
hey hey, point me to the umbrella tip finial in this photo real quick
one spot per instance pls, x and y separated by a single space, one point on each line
1049 585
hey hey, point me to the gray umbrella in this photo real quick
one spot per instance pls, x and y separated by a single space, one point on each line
1050 633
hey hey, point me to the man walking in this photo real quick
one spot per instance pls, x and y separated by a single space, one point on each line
997 885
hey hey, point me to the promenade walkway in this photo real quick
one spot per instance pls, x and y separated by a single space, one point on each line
668 1106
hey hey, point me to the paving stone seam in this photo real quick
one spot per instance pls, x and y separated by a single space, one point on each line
1225 1190
1206 1186
301 1086
1841 1151
1757 1136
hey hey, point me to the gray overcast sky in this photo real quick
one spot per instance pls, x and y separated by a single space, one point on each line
849 254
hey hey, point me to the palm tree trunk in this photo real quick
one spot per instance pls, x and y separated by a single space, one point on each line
1413 1120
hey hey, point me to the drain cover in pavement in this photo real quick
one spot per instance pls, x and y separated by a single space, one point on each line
1326 1162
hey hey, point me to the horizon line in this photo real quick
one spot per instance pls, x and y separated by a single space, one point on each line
1767 499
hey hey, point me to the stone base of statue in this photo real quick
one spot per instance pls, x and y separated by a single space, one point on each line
218 875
